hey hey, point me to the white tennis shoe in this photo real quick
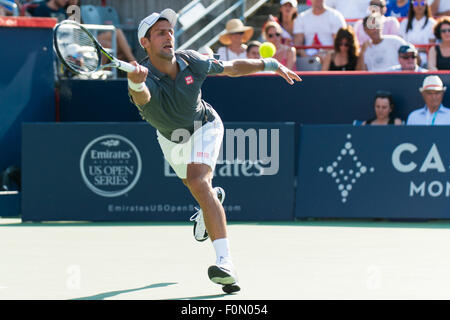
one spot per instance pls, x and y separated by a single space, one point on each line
223 273
200 233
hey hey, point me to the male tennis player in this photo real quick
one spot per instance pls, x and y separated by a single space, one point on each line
166 90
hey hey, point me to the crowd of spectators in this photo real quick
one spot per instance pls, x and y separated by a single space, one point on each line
58 9
432 113
364 35
342 35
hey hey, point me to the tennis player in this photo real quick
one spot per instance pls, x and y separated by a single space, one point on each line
166 89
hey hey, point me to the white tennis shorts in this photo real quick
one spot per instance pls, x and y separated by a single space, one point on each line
202 147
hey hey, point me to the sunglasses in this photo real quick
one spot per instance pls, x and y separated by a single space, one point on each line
272 35
239 33
418 3
445 30
408 56
345 44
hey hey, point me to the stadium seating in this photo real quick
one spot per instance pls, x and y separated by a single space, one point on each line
308 64
109 15
100 15
90 14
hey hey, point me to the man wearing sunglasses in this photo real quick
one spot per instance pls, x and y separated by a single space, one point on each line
408 59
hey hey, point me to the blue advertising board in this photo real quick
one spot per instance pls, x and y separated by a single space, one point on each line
27 89
116 172
374 172
322 98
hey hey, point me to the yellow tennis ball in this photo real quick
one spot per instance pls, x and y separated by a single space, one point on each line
267 50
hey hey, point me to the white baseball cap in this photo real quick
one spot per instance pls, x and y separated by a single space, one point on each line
433 83
293 2
149 21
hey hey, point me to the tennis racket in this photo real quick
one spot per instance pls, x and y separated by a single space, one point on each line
80 52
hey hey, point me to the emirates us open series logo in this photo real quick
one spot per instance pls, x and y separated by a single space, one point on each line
110 165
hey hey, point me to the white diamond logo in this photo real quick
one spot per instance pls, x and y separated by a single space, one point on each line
346 169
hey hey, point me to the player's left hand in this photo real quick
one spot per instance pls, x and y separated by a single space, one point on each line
288 75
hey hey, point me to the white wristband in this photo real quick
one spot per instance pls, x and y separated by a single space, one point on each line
138 87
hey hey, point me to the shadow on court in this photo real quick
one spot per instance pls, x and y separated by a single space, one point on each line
215 296
102 296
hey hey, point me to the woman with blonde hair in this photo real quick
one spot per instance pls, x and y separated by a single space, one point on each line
285 54
345 54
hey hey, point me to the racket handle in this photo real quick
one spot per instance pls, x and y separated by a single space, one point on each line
125 66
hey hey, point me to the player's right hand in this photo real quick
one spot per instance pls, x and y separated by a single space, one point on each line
288 75
139 75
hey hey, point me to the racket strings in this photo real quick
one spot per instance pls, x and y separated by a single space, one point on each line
77 48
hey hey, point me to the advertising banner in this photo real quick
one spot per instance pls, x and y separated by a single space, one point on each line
27 84
374 172
116 172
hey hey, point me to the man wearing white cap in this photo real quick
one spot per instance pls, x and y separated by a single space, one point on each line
434 113
166 89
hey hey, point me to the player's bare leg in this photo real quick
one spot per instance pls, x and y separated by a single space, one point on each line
199 178
199 182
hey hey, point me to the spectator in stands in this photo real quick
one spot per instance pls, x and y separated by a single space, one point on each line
124 51
408 59
439 56
345 54
434 113
390 24
350 9
286 17
418 27
381 52
317 26
440 7
253 50
6 10
51 8
383 106
234 39
285 54
397 8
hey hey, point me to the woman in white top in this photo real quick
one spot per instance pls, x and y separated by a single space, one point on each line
418 27
234 39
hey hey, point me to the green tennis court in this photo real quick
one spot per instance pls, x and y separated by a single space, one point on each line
153 261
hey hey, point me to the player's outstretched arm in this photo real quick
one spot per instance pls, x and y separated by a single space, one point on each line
242 67
136 84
